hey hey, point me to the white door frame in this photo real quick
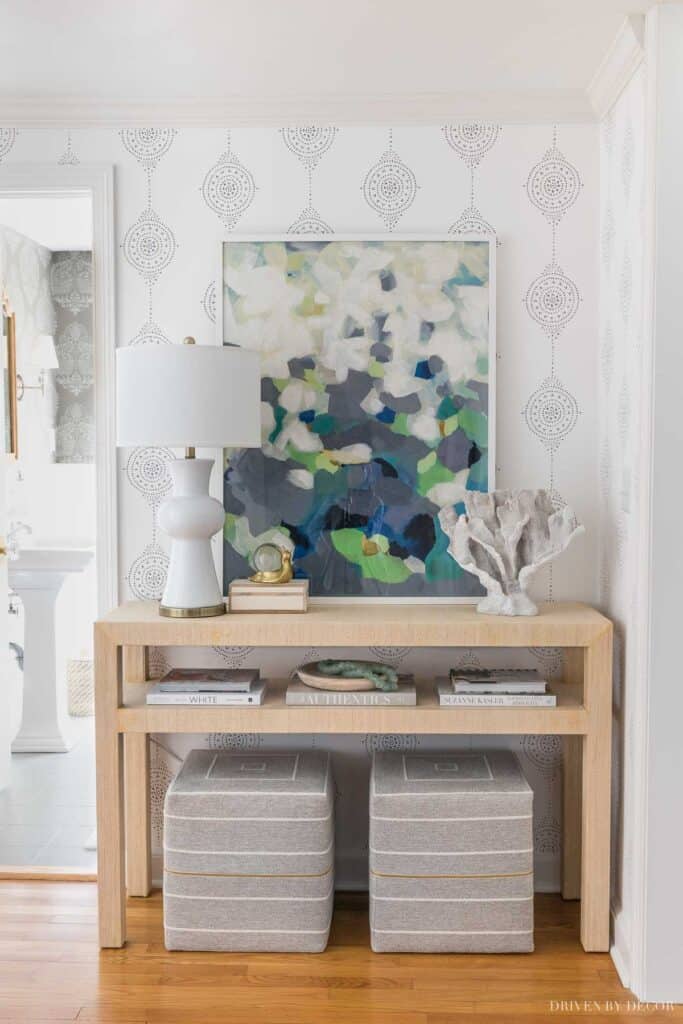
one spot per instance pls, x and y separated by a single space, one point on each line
97 182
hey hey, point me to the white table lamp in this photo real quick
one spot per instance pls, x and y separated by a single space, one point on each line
187 396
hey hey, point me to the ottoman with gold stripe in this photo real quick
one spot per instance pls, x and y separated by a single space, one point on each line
451 854
249 853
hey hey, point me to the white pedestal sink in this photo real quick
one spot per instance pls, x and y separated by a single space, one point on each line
36 576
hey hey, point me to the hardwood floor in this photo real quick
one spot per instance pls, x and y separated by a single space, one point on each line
52 970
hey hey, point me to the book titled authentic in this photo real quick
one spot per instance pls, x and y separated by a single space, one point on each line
300 695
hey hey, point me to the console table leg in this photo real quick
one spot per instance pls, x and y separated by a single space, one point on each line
571 784
109 767
138 813
595 815
571 817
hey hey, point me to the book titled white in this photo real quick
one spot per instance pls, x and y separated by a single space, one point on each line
493 700
197 698
208 680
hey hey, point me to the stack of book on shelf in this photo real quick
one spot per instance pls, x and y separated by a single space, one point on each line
300 695
209 687
495 688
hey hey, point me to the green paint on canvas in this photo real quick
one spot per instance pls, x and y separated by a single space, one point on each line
450 426
280 414
435 473
475 425
438 566
447 408
400 425
464 391
323 424
314 381
378 566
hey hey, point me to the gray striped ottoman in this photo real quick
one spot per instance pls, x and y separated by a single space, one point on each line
451 854
249 853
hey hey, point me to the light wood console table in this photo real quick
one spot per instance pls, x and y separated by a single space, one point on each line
583 717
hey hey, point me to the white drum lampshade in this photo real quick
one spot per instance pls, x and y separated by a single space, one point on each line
189 396
183 396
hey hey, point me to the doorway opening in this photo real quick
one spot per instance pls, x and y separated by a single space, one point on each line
60 569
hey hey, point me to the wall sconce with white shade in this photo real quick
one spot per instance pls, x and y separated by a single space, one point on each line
189 396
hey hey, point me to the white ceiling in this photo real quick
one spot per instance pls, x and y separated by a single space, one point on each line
66 61
59 223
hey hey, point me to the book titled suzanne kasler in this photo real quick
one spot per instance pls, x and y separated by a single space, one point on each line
300 695
447 698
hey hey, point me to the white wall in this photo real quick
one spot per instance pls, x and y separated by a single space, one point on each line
623 474
641 437
546 406
663 767
55 222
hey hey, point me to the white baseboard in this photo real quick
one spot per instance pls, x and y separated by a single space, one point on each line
620 950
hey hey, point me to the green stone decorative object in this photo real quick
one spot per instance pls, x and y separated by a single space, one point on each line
382 676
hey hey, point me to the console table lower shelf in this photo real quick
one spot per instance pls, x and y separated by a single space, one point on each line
582 716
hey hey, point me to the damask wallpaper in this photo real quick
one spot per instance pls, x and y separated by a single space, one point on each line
180 193
71 287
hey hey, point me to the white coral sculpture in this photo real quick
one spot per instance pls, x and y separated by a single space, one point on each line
503 538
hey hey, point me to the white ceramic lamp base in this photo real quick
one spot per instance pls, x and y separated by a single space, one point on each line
191 517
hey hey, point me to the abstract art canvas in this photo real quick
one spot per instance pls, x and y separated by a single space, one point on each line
377 362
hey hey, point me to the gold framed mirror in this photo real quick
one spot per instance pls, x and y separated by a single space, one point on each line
9 360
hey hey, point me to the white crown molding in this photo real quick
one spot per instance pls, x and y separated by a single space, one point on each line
534 106
618 65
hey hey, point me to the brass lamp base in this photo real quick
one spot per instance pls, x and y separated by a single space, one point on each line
192 613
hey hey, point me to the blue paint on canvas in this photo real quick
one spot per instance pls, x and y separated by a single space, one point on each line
375 407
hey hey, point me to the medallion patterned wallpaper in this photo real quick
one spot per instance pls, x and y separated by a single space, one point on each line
179 193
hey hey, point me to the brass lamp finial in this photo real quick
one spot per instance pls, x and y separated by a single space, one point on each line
189 452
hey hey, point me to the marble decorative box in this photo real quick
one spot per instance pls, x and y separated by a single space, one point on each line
246 596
